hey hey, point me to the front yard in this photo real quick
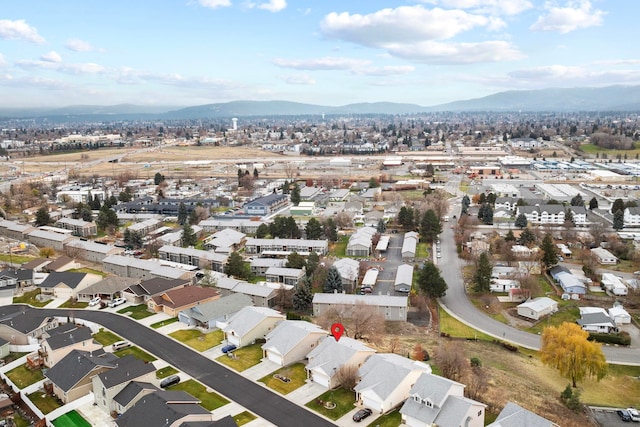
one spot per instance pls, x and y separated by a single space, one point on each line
243 358
30 299
392 419
105 337
208 400
296 374
137 312
197 339
137 352
343 399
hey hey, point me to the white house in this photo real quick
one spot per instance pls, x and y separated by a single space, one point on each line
326 360
438 401
614 284
386 380
513 415
251 323
348 269
619 315
404 278
597 322
503 285
603 256
291 341
632 217
537 308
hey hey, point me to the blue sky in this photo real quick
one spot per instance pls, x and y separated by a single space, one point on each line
193 52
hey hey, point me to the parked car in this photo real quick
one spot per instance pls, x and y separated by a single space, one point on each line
95 301
361 414
120 345
228 348
624 415
634 414
169 381
116 302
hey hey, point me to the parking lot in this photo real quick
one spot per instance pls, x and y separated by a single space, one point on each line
607 417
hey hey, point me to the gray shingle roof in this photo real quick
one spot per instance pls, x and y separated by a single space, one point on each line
69 278
64 336
161 408
514 415
221 307
126 368
14 317
77 365
131 391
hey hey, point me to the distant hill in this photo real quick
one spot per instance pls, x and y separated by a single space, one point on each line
611 98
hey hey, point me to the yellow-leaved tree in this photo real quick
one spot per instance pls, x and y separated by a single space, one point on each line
566 348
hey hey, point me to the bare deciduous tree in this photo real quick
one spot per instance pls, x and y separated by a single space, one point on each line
347 377
477 383
343 220
361 321
449 356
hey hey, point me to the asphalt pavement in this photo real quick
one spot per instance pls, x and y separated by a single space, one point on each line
232 385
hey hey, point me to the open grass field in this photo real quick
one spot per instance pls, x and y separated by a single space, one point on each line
591 150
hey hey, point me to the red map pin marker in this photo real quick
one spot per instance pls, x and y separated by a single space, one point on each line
337 330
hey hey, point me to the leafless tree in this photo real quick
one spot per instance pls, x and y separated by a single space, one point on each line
343 220
449 357
291 170
347 376
284 298
598 232
477 383
361 321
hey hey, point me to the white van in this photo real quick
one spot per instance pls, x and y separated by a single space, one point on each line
120 345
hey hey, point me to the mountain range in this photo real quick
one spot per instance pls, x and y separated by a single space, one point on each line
611 98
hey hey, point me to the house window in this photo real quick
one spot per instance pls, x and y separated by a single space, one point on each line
417 399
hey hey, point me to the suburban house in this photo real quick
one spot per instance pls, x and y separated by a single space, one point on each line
619 315
385 381
613 284
632 217
570 284
67 284
78 227
20 329
173 301
261 296
537 308
391 307
291 340
225 241
62 263
331 355
603 256
597 322
62 340
513 415
8 286
404 278
107 289
146 289
250 324
284 247
409 245
349 272
170 408
123 398
108 386
71 377
361 242
284 275
206 315
196 257
435 400
503 285
4 348
259 266
266 205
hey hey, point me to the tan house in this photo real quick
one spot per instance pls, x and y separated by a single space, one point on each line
174 301
20 326
63 340
67 284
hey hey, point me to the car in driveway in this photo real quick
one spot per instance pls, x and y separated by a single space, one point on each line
624 415
116 302
228 348
95 301
361 414
634 414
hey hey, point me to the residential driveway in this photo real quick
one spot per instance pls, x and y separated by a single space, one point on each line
260 370
306 393
347 419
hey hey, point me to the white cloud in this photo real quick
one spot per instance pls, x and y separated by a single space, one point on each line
78 45
3 61
404 24
327 63
299 79
490 7
575 15
19 30
273 5
386 71
214 4
80 68
614 62
456 53
52 56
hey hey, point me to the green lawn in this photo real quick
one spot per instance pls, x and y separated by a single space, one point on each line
105 337
569 313
455 328
137 352
197 340
46 403
22 376
244 417
209 400
244 357
70 303
344 400
162 323
15 259
30 298
339 248
165 372
592 149
296 373
422 250
71 419
392 419
89 271
136 311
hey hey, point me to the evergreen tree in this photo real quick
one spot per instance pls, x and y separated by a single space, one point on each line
255 173
183 215
313 230
158 178
333 281
549 251
405 218
521 221
510 237
577 200
113 201
295 195
431 282
330 230
124 197
106 218
430 226
482 275
527 237
466 202
262 231
303 297
189 237
618 205
313 260
42 217
236 267
618 220
295 260
487 214
382 226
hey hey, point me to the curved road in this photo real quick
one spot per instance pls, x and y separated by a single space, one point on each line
257 399
457 303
